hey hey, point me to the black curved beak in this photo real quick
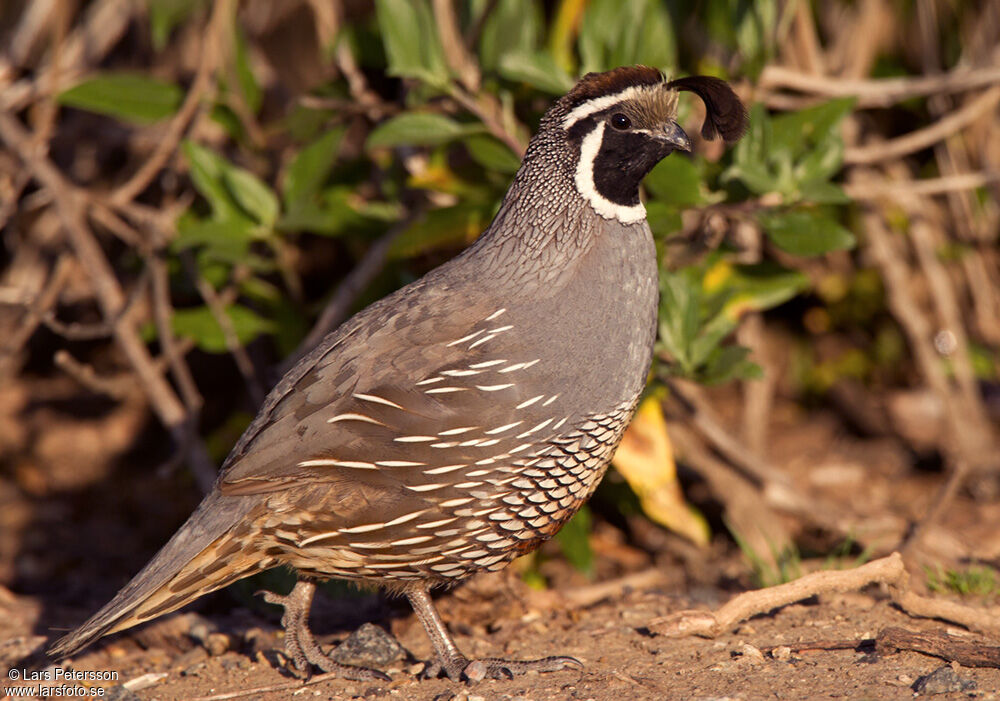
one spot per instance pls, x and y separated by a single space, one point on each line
672 134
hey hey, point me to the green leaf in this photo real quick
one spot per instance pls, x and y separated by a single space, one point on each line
750 157
232 192
419 129
795 132
132 98
448 226
663 219
727 363
804 233
309 170
676 181
200 325
164 15
755 32
412 45
252 93
492 154
621 33
821 192
679 316
513 27
536 69
207 173
227 239
252 195
574 541
335 211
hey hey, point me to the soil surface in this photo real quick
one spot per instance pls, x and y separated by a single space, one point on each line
777 656
70 537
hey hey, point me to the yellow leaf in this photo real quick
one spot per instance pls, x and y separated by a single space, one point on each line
716 276
645 458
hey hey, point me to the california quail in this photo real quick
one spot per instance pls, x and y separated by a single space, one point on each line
459 422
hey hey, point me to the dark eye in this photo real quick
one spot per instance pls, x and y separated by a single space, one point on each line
620 122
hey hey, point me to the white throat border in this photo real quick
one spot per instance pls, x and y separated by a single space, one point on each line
589 148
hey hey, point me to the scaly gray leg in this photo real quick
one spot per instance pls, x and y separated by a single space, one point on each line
457 666
300 646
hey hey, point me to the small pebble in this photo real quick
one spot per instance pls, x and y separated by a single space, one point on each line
193 670
217 644
368 646
476 671
782 653
752 654
942 680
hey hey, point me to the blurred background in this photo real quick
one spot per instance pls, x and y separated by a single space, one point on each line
192 194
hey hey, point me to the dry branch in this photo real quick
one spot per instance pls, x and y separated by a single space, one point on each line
35 313
878 93
937 644
222 13
887 570
897 189
70 204
105 22
926 137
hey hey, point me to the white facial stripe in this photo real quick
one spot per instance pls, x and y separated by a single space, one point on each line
591 144
601 103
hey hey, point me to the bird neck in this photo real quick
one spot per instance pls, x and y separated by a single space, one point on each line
542 220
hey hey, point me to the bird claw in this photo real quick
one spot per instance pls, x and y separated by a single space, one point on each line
301 647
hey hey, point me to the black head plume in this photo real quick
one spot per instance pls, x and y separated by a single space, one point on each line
724 113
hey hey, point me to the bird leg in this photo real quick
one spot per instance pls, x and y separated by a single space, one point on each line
300 645
456 665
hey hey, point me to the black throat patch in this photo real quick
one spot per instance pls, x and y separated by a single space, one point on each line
622 161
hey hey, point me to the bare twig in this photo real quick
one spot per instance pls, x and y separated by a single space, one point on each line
104 23
117 387
77 331
591 594
337 309
70 205
162 311
233 345
950 648
36 312
877 189
222 12
882 92
459 59
742 606
704 420
746 509
923 138
977 619
888 570
490 114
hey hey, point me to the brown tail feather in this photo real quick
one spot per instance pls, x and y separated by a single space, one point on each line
181 571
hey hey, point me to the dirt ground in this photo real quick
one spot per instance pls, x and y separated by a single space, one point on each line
63 552
622 658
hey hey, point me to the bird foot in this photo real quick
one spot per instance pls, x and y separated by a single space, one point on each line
463 669
301 647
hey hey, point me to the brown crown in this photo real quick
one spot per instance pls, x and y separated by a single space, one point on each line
597 84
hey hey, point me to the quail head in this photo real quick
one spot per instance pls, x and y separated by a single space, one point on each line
459 422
